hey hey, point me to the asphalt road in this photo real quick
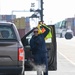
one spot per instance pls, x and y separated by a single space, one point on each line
65 58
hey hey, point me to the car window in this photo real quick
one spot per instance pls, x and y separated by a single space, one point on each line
29 37
7 32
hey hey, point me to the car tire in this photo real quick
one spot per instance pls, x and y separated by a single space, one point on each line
68 35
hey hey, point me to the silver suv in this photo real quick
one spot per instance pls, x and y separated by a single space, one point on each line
11 50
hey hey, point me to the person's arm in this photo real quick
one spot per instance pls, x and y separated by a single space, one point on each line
46 31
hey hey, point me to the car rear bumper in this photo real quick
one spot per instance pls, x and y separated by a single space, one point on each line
11 70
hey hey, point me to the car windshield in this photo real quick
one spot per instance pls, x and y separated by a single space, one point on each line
6 32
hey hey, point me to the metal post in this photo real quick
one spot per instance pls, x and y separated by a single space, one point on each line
41 13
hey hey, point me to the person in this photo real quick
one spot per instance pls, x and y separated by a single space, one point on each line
38 48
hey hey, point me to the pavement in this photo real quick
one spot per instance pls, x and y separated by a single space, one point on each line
67 48
65 58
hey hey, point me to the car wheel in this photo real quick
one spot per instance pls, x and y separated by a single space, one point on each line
68 35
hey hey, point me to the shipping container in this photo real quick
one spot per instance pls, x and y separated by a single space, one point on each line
27 25
21 32
3 17
27 19
17 23
27 28
20 23
7 18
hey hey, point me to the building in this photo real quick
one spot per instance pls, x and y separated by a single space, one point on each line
23 25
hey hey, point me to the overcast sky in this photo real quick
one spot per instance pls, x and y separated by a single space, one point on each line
54 10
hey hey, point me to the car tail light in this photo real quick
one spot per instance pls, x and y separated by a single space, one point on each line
20 54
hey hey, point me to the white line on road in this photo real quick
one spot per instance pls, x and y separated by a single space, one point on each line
66 58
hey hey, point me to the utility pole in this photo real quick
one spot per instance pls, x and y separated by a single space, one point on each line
41 12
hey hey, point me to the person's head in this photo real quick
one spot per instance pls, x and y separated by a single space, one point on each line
35 31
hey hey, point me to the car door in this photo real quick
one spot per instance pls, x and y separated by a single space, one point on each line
51 47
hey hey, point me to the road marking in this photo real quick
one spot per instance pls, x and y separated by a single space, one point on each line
66 58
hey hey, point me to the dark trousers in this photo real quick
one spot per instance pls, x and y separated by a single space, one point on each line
41 59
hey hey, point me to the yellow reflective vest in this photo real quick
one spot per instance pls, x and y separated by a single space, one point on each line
42 30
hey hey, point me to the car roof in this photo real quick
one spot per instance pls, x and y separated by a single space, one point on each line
5 23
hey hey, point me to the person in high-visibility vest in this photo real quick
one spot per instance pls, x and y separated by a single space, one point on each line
41 30
38 48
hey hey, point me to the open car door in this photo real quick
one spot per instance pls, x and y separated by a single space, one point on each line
51 46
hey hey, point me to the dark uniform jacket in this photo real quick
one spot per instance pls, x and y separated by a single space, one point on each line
37 43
